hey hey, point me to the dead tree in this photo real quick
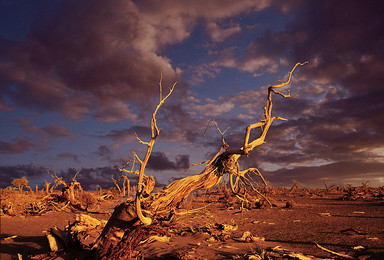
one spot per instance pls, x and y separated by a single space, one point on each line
117 184
46 185
20 183
68 192
126 187
148 207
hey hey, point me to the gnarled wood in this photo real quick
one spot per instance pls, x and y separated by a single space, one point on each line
149 208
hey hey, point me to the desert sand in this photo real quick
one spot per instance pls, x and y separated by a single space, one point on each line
221 229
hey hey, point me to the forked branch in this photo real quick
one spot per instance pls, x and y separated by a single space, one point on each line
249 146
232 165
143 163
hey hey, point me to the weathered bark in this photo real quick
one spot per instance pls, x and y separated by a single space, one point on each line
123 218
157 206
148 207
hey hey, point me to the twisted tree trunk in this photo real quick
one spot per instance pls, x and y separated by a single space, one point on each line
147 207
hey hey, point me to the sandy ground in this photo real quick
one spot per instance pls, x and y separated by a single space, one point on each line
29 230
335 224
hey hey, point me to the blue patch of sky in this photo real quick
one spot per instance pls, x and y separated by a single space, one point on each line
11 130
254 26
91 127
16 159
231 82
15 19
225 83
269 19
190 52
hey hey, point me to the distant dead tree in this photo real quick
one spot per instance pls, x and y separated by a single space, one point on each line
116 182
68 191
20 183
46 186
327 188
148 207
125 190
126 187
364 185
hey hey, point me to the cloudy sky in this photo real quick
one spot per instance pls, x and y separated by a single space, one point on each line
78 79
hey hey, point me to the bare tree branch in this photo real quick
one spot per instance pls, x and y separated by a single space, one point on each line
162 205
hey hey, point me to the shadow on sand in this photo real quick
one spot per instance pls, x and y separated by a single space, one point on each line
24 245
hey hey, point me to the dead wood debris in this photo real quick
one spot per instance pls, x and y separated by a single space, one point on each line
8 238
247 237
220 232
334 253
362 193
7 209
75 241
37 206
278 252
84 231
78 239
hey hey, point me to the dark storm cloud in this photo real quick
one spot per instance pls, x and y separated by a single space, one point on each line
104 58
342 39
159 161
73 60
93 57
344 42
348 171
339 143
343 128
9 173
